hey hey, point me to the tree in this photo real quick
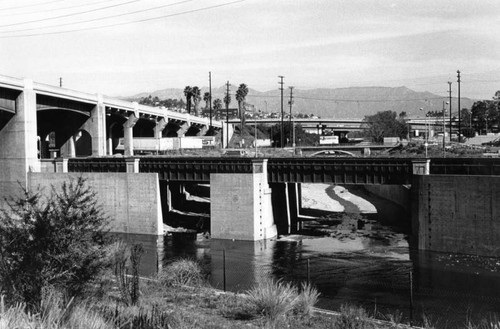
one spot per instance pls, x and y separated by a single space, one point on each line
217 107
241 94
196 94
59 242
302 138
227 101
385 124
206 99
485 114
188 92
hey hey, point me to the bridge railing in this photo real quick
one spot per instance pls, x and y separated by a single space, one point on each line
193 169
97 165
465 166
340 171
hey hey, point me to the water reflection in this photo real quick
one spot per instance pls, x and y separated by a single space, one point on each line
369 272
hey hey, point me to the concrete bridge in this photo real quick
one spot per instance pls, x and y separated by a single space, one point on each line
454 202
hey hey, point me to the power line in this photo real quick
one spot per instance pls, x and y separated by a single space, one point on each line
31 5
341 100
100 18
125 23
56 9
69 15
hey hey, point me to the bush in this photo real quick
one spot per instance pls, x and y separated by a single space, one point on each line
58 241
273 299
308 297
352 317
183 272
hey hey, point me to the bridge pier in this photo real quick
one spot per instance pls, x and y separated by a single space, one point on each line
18 144
286 206
183 128
128 135
240 205
159 127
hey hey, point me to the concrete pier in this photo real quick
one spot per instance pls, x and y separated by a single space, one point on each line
241 207
18 144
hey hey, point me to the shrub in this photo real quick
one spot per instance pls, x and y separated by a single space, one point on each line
182 272
308 297
58 241
353 317
273 299
128 284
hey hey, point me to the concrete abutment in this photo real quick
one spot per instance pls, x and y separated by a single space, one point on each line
457 214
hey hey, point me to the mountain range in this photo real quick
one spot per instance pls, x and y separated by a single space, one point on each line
342 103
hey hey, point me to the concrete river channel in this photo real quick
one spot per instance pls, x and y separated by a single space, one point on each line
354 249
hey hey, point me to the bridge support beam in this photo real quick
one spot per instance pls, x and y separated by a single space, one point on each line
18 144
159 127
240 205
227 134
97 127
183 128
128 135
203 131
286 206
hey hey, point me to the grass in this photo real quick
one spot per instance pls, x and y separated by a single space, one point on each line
181 299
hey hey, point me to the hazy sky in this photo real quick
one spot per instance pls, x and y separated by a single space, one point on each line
122 47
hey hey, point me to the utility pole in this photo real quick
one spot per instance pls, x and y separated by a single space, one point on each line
281 88
227 114
449 93
290 102
60 82
210 97
459 119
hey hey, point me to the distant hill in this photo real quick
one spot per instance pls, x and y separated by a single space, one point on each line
353 102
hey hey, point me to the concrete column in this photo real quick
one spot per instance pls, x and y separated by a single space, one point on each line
203 131
421 166
71 147
160 126
109 147
227 133
286 206
128 134
132 165
18 144
61 165
240 205
293 206
183 128
98 127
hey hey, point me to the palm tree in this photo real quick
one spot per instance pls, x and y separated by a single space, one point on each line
196 99
241 94
217 107
188 92
227 101
206 99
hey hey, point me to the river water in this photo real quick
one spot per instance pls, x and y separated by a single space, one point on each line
373 267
